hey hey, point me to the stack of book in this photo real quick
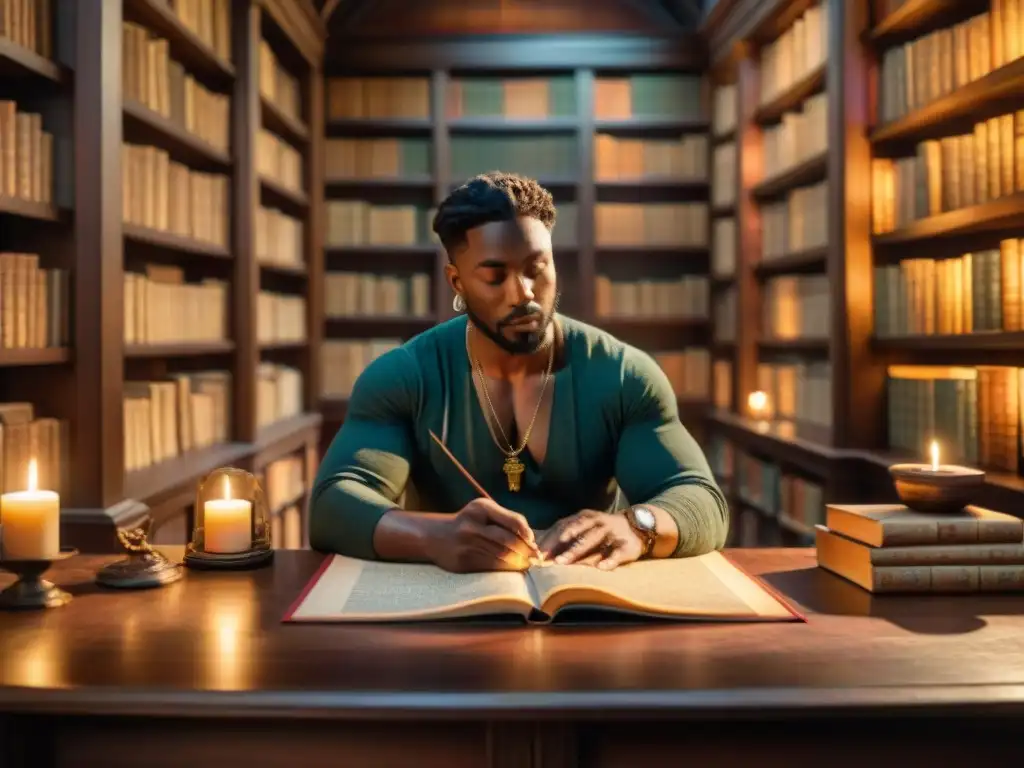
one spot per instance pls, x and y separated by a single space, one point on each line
890 548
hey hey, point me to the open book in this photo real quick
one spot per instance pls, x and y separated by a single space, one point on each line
708 587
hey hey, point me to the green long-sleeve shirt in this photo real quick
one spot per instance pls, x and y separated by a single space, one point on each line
614 426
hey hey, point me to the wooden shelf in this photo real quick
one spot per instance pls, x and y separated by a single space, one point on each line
800 262
295 200
810 171
292 270
19 62
791 98
270 346
685 253
407 182
499 124
382 324
284 125
186 45
27 209
12 358
285 437
174 475
802 446
169 241
173 137
379 125
998 92
963 342
1003 213
723 138
179 349
689 185
914 17
794 346
723 211
619 323
384 251
662 124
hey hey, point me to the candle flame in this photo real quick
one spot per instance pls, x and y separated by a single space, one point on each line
227 487
933 449
757 401
33 475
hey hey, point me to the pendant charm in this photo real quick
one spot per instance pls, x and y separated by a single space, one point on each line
514 469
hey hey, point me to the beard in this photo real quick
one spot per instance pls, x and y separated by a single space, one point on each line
517 342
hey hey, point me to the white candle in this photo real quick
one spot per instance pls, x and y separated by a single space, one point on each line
31 521
227 523
934 451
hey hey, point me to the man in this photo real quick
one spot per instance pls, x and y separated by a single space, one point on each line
551 416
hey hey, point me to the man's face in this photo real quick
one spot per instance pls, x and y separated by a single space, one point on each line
506 273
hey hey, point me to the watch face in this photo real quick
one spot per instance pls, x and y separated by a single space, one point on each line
644 518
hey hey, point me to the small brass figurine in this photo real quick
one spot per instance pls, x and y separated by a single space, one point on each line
143 568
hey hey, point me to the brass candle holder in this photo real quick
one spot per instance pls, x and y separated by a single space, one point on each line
936 488
144 568
232 523
31 591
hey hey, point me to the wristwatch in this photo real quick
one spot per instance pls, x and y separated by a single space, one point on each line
645 525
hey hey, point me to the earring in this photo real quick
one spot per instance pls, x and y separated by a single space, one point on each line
459 303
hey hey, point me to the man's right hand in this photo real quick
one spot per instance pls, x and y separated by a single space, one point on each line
483 536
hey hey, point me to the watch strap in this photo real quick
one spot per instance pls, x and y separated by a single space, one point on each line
647 535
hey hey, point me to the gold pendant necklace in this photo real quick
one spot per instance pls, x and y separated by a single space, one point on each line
513 467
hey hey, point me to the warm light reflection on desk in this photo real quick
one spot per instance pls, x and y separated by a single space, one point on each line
36 663
230 624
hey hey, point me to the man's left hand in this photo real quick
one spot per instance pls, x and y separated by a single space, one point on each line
592 538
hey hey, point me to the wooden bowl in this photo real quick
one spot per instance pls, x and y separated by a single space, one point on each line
944 491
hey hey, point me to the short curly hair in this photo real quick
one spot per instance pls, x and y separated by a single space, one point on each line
493 196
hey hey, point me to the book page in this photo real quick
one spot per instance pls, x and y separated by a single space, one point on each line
708 586
367 590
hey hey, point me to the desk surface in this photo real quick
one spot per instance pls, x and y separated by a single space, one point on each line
213 644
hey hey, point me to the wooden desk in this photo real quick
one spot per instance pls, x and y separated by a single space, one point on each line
202 673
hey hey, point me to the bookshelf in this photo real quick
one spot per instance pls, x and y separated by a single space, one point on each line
916 238
139 358
617 133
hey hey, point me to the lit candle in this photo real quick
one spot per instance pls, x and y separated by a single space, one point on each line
31 521
757 402
227 523
933 449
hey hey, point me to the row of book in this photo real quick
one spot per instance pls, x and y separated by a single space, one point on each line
796 307
283 482
172 417
658 224
210 20
978 291
617 158
33 303
641 95
725 315
26 155
279 393
160 307
515 98
688 371
936 64
949 173
30 25
797 138
278 160
796 503
161 194
280 318
723 247
798 391
343 360
377 158
797 223
280 238
369 294
724 174
888 548
974 413
721 384
351 223
24 436
682 297
286 529
724 109
152 78
796 53
277 85
535 156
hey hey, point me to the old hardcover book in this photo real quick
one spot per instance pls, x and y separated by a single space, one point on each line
708 588
889 525
940 568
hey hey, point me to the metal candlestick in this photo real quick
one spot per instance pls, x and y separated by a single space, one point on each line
31 590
